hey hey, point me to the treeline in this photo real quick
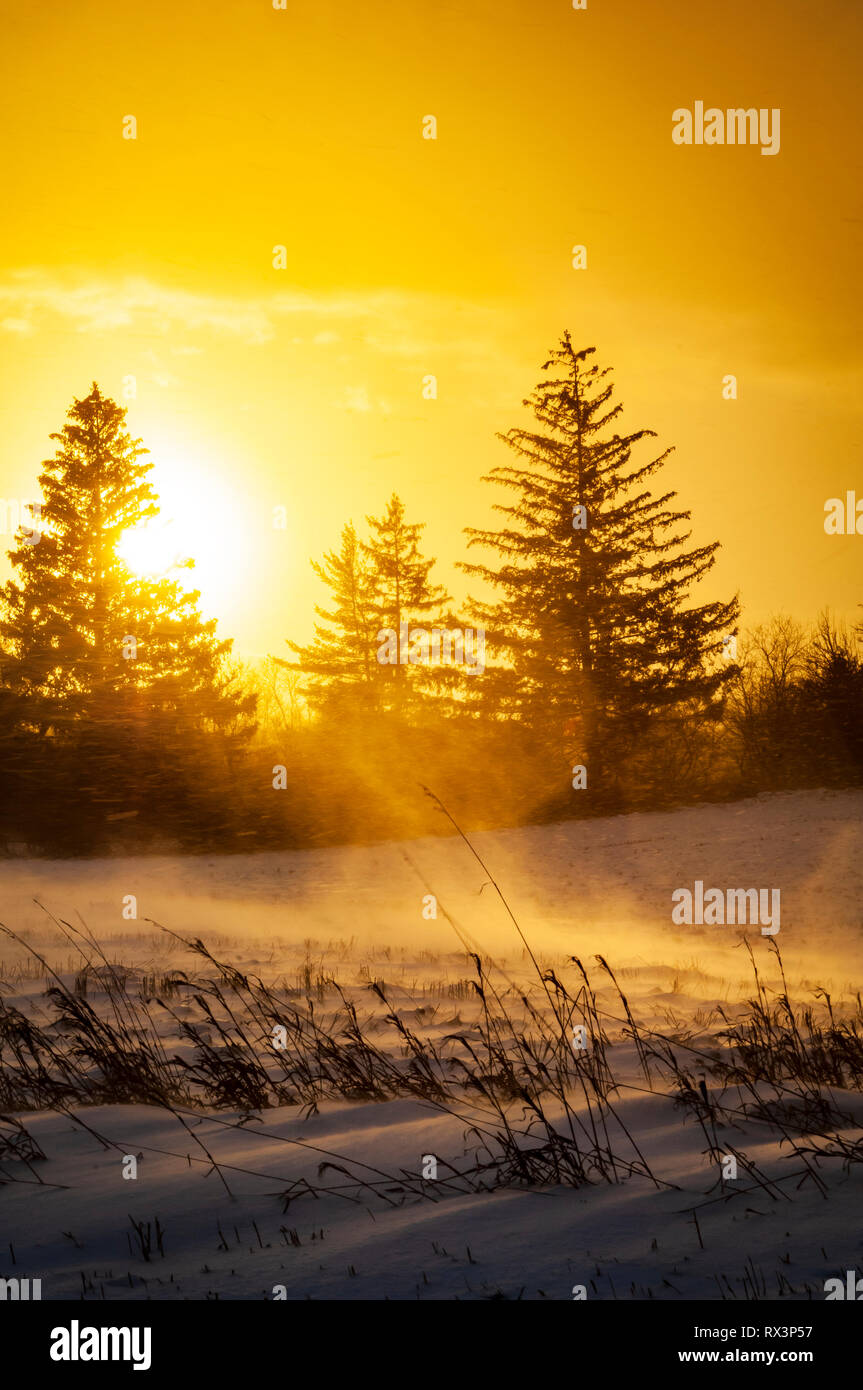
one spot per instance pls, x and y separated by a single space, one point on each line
791 716
589 682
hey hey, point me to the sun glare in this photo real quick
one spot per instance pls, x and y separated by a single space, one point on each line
151 551
200 519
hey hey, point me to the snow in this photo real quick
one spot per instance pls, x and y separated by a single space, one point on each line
576 889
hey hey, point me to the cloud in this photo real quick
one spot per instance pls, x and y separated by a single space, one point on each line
34 299
357 398
97 306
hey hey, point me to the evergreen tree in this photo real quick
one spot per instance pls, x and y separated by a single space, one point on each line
341 662
591 625
401 589
829 736
377 586
120 669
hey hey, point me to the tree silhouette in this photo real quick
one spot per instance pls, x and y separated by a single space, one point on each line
401 588
591 626
120 669
377 585
341 663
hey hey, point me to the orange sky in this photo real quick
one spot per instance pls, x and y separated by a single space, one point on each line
302 387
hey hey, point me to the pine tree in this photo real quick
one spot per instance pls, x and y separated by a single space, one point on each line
379 586
341 661
121 667
829 737
595 638
402 593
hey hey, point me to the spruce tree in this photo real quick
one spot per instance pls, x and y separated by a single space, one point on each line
341 662
591 625
118 669
402 591
377 586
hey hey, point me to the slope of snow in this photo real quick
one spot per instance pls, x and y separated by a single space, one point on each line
577 888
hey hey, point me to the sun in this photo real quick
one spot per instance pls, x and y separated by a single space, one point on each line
151 551
201 518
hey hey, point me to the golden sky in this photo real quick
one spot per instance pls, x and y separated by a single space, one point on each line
302 387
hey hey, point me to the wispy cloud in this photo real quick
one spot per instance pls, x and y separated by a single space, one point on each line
94 306
16 325
357 398
34 299
100 306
